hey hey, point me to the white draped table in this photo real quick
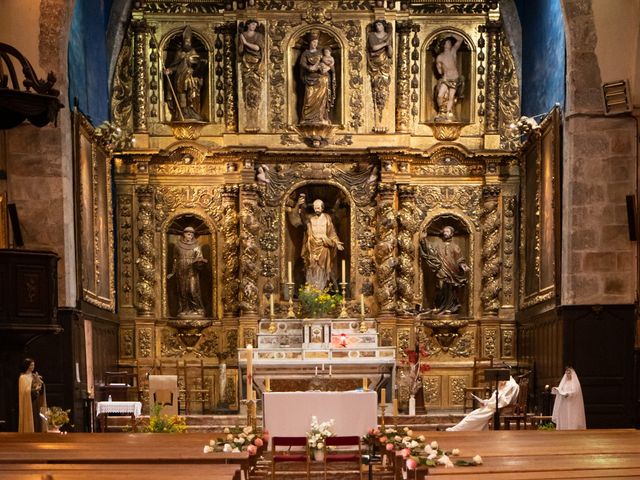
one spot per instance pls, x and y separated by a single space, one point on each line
103 409
289 413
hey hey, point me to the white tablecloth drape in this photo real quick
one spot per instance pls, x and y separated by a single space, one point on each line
289 413
129 408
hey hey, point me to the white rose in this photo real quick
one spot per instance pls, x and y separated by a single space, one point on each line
443 460
397 438
320 446
434 445
212 443
421 438
251 437
432 455
247 430
235 450
229 436
407 439
227 448
208 449
455 452
428 449
410 432
414 444
226 430
239 440
477 460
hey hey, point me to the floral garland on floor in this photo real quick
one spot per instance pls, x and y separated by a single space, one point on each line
238 439
415 450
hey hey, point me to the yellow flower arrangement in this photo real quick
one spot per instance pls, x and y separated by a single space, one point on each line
315 302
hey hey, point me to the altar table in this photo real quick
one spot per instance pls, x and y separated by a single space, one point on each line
289 413
103 409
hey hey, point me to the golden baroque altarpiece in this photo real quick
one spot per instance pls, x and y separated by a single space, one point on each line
237 108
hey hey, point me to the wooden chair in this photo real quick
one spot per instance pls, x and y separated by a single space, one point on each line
479 386
517 411
349 450
282 456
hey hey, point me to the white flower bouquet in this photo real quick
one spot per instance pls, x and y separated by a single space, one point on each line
238 439
319 431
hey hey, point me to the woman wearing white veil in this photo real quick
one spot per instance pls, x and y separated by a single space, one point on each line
568 408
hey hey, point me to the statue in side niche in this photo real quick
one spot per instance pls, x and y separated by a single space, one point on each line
380 59
251 54
188 261
317 73
450 84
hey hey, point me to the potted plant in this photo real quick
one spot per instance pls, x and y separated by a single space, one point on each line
57 418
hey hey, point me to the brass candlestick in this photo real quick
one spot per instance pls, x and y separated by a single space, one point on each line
383 407
252 413
290 312
272 325
343 309
363 325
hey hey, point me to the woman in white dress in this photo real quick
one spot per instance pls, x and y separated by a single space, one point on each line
568 408
479 418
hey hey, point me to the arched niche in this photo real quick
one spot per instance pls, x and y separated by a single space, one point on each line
463 109
338 207
432 236
298 45
200 278
184 69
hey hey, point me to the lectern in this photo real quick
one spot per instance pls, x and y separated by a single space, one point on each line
496 375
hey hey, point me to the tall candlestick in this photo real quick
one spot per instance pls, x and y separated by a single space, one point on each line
344 271
289 268
271 303
249 370
383 396
362 304
267 384
365 383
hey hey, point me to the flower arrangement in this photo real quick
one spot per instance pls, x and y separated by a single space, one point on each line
318 433
413 366
315 302
239 439
164 423
56 417
416 450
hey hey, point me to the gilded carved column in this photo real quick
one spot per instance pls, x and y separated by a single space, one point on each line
140 29
508 249
230 85
494 35
385 249
407 226
230 259
145 262
403 83
249 251
490 251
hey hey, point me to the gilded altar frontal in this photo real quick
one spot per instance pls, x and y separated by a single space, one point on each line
366 149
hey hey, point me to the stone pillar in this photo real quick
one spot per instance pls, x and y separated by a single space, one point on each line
140 29
403 83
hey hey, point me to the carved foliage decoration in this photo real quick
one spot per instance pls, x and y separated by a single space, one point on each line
507 343
403 84
125 244
146 251
140 29
122 89
465 198
385 250
250 215
277 33
169 199
490 342
231 111
490 251
494 35
408 223
509 211
145 342
251 67
456 390
509 97
353 33
380 61
230 250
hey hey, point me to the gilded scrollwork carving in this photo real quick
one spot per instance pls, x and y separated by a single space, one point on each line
509 98
249 251
385 251
456 390
379 63
127 349
415 70
489 342
169 199
170 344
251 58
408 223
462 347
403 336
277 32
362 183
403 82
145 342
465 198
509 211
125 223
145 261
481 85
494 35
230 250
355 4
353 32
431 389
276 182
140 30
507 343
122 89
275 4
490 251
232 341
230 104
386 337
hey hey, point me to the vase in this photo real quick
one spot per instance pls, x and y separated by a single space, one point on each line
318 455
412 405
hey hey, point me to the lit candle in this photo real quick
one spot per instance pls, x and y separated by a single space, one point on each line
344 271
383 396
249 370
289 267
365 383
253 394
271 303
362 304
394 407
329 370
267 384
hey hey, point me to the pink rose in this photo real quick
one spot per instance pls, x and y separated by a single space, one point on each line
383 439
265 435
405 452
252 449
370 431
376 432
389 447
411 464
258 442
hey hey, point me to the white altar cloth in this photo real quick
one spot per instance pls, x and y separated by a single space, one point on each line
129 408
289 413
